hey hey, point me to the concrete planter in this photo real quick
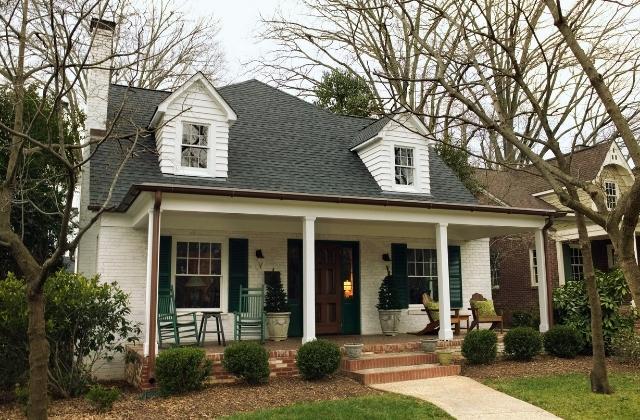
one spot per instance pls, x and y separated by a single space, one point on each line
278 325
428 345
353 350
389 320
445 357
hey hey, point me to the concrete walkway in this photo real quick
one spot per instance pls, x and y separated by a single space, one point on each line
465 398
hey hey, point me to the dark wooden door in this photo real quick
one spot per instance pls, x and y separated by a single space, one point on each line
328 289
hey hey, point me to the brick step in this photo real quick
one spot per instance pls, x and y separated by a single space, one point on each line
403 373
371 361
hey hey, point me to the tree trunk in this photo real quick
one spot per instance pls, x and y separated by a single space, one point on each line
625 248
38 356
599 377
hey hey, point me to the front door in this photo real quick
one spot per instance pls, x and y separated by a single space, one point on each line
328 289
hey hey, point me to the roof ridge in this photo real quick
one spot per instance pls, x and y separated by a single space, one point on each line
140 88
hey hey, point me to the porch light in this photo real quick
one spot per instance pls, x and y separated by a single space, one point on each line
347 287
386 257
260 257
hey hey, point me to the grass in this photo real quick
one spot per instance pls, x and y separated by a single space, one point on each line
385 406
569 395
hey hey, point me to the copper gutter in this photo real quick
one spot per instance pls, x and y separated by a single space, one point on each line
155 250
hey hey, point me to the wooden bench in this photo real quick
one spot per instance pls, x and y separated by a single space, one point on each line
494 319
434 320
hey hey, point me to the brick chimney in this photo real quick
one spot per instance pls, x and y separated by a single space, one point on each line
99 73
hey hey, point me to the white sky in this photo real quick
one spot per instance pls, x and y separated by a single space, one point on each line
240 22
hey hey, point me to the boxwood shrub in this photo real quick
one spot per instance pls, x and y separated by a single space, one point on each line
480 347
563 341
317 359
248 360
522 343
181 369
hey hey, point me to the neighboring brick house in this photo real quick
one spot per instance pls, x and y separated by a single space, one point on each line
513 256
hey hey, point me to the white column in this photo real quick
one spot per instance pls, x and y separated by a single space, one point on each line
542 281
560 260
635 246
308 279
147 300
444 294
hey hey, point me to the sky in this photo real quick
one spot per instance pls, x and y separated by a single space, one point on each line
239 25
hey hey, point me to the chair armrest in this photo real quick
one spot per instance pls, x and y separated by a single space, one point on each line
179 314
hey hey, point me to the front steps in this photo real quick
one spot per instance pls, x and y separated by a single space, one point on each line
396 367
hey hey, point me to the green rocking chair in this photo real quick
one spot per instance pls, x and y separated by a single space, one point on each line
171 325
250 318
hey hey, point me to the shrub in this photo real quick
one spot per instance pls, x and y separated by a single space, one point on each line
572 306
248 360
181 369
524 319
86 321
102 398
563 341
317 359
480 346
626 346
522 343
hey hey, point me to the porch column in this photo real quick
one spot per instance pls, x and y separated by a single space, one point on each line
308 279
542 281
150 347
444 295
635 246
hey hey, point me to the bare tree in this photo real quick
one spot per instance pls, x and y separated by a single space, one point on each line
49 45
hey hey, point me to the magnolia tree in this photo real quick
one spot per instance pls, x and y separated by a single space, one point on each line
47 51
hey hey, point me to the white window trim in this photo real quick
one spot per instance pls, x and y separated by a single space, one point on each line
532 271
575 246
224 282
419 305
186 170
617 187
416 169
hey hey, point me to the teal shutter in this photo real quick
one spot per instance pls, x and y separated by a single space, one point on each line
164 264
399 273
455 277
238 270
566 259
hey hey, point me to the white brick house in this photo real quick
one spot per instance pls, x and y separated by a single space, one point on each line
216 174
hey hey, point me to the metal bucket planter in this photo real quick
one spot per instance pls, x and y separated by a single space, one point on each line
353 350
389 320
428 345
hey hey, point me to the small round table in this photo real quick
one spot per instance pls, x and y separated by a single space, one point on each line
219 327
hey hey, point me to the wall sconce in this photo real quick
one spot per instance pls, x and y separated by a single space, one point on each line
260 257
386 257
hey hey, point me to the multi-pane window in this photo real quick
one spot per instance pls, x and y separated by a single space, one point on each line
533 264
575 260
404 166
198 274
422 273
194 145
611 191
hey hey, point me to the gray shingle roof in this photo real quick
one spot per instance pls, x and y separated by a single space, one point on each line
278 143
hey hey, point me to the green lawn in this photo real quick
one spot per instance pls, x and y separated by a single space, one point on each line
569 396
386 406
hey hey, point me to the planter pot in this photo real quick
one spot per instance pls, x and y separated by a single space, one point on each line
445 357
278 325
389 321
429 344
353 350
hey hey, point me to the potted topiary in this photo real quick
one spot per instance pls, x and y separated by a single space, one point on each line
389 306
276 307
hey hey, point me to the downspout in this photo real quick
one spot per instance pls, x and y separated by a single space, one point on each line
154 286
545 238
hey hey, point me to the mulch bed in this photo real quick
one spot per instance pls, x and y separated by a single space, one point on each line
213 401
540 366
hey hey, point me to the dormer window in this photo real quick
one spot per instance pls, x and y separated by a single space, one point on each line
195 145
611 191
404 165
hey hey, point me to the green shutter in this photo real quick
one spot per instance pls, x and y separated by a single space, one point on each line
238 270
164 264
399 273
455 277
566 258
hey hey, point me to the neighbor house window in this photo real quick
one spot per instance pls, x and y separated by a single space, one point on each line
404 166
494 265
533 264
577 267
198 274
611 191
422 273
195 145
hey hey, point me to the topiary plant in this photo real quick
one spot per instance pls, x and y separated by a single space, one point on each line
387 297
181 369
275 300
522 343
563 341
317 359
480 347
248 360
